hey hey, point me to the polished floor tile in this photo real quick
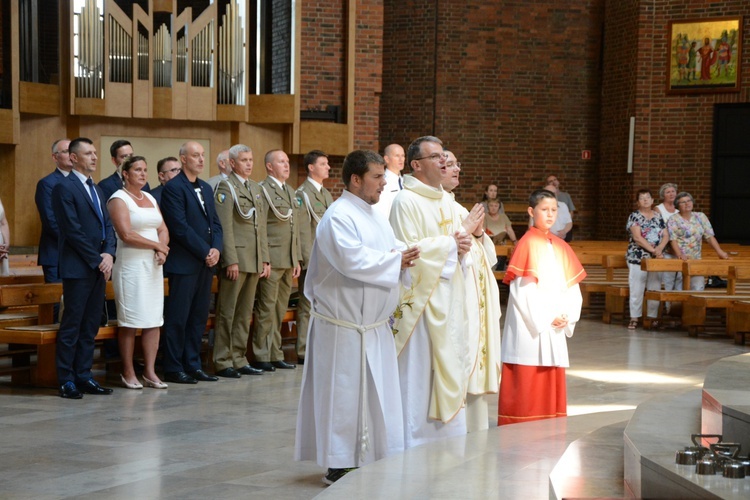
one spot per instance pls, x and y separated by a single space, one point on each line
235 438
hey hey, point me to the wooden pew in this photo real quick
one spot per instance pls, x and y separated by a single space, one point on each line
698 304
617 292
738 320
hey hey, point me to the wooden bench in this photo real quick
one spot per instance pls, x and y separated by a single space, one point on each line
738 320
694 316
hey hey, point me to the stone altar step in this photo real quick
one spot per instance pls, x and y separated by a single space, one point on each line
592 466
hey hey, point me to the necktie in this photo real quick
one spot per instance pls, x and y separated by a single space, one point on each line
400 183
247 185
97 205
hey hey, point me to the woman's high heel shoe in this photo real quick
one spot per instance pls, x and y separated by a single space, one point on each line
154 385
128 385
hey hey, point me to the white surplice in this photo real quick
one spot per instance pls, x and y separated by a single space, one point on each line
430 326
528 337
353 277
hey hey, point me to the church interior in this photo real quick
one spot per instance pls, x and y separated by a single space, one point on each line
587 90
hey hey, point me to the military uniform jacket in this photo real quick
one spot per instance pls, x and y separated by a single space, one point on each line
282 232
313 204
242 211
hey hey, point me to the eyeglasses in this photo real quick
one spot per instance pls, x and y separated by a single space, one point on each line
433 157
456 165
684 201
172 170
62 151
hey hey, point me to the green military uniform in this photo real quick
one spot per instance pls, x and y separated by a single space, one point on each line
274 291
241 208
313 203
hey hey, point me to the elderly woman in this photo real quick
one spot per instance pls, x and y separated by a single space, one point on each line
687 230
667 208
491 194
4 242
137 277
497 225
648 237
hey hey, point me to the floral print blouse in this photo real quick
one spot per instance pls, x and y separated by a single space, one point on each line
651 230
690 234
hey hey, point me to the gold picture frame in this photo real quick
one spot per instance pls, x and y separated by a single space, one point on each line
704 55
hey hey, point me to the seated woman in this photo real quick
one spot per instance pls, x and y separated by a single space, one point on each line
648 237
491 194
497 225
687 230
137 276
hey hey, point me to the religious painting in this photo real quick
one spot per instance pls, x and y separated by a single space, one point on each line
704 55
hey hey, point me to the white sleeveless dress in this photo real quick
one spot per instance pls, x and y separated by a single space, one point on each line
137 278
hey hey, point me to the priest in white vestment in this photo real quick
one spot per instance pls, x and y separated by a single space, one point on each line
350 409
482 302
430 323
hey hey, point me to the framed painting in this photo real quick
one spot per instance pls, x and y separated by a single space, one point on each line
704 55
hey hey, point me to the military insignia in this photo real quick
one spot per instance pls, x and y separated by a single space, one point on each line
221 197
299 201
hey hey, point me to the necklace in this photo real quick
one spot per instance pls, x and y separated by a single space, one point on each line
134 196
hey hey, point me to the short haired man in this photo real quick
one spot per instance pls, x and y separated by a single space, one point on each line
350 408
48 251
430 320
394 157
563 197
245 259
195 243
120 150
87 248
166 169
225 169
564 222
283 239
314 199
482 303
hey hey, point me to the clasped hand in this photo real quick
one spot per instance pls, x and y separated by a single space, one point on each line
408 257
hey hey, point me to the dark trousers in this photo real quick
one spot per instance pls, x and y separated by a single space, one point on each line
51 275
185 316
84 300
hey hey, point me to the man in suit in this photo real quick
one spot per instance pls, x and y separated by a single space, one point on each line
225 170
283 243
48 252
245 259
313 199
195 244
120 150
86 246
166 169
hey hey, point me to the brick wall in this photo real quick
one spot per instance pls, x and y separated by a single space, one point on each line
513 90
323 54
673 140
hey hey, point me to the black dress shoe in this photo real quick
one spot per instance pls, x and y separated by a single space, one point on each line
91 386
283 365
202 376
300 361
264 365
179 378
69 391
229 373
249 370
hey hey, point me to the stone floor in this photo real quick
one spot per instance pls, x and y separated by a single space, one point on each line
235 438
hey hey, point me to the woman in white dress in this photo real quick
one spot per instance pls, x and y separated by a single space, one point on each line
4 242
142 239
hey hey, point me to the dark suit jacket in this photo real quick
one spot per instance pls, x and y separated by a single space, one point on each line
112 183
192 232
80 243
156 193
48 252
